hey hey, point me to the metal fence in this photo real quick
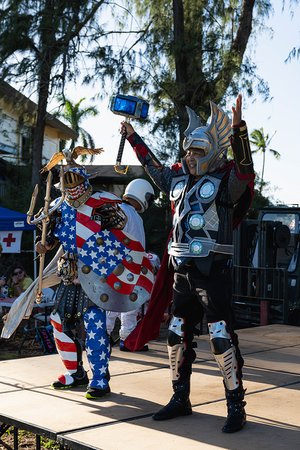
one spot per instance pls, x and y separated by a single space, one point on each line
260 295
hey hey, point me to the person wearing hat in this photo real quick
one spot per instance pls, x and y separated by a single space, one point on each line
73 225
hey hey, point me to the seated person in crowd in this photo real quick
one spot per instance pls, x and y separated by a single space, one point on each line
17 282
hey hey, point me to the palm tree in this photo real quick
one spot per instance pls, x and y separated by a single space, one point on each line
261 141
74 115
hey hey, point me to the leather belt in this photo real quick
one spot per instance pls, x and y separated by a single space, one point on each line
199 247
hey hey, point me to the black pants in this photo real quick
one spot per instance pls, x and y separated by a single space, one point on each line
188 298
195 293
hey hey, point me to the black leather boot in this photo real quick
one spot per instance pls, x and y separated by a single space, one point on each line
179 405
236 417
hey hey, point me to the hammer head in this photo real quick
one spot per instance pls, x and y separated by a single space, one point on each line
129 106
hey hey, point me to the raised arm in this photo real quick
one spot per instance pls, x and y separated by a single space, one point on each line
243 171
237 112
160 174
240 140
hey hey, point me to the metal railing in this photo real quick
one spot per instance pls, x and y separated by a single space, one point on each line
260 295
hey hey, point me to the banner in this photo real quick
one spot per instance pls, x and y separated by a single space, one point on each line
11 241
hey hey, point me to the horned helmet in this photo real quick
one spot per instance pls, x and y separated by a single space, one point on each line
213 138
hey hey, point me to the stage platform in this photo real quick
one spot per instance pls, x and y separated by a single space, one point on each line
140 384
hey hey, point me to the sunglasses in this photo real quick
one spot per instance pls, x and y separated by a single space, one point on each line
18 272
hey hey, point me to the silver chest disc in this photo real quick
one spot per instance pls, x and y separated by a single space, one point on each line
177 189
196 221
207 189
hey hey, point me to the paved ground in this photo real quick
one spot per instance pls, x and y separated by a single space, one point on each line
141 385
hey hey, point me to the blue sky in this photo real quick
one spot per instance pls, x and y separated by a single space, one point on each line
281 114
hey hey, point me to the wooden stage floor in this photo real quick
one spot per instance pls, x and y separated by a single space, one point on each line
140 384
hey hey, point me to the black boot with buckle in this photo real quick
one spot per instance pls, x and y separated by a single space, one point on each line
179 405
236 417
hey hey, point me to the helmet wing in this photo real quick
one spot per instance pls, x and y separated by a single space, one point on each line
219 127
194 121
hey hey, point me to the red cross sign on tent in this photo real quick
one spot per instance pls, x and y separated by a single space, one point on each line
12 225
11 241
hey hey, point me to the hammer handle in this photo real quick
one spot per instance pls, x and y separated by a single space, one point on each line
121 147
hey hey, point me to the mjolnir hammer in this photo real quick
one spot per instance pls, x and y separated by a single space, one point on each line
129 107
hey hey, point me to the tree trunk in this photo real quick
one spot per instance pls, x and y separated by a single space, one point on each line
179 44
263 171
180 59
46 59
39 130
234 57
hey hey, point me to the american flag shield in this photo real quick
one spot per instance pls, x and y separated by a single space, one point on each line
114 271
113 268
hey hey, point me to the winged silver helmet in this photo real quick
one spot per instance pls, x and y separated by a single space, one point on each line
213 138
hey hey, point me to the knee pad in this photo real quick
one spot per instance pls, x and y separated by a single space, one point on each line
220 339
175 331
224 353
176 346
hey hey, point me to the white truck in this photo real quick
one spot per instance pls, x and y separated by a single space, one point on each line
266 271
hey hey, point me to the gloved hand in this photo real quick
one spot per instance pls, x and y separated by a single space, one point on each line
110 216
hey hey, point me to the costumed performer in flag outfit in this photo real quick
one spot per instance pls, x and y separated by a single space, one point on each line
81 226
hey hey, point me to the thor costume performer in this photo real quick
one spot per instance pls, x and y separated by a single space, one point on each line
209 195
88 226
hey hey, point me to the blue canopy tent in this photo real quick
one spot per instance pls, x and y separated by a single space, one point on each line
15 221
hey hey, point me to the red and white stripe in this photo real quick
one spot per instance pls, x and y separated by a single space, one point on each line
85 226
139 279
66 348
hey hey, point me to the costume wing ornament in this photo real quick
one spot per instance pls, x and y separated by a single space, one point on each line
70 156
85 151
55 159
219 127
194 121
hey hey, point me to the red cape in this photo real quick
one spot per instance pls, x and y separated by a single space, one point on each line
149 327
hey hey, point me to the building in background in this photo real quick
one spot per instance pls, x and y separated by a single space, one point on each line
17 120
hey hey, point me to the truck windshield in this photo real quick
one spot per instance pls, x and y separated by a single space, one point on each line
291 220
283 256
